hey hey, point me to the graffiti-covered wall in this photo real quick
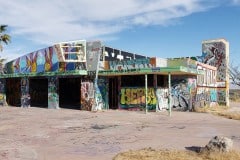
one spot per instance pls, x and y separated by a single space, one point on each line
205 96
183 89
103 86
185 95
2 92
53 96
186 62
112 54
125 65
216 53
45 60
87 95
134 98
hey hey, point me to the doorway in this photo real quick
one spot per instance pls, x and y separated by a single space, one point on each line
113 92
69 93
13 91
38 89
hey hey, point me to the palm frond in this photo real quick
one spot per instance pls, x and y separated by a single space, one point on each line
3 28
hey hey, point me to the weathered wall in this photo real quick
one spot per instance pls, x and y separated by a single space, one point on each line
53 95
103 88
44 60
87 95
135 97
205 96
126 65
216 53
183 89
186 62
2 92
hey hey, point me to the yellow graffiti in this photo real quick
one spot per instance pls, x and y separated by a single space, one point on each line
133 96
1 97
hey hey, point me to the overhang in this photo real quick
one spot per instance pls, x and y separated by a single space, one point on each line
179 70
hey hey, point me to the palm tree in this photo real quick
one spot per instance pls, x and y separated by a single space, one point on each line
4 38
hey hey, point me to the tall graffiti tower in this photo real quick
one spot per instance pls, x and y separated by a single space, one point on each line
216 53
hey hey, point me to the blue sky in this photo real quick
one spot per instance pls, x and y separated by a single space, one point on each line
158 28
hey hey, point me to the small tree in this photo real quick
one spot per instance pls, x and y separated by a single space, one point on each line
4 38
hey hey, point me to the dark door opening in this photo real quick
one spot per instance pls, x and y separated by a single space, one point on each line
13 92
38 89
113 93
69 93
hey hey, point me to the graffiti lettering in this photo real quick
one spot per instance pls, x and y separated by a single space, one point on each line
130 64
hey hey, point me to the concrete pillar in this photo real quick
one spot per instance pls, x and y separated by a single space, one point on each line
169 94
146 92
25 96
53 97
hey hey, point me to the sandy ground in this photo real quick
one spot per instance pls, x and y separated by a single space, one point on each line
49 134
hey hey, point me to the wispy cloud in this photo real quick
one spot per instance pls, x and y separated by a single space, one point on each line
51 21
237 2
47 22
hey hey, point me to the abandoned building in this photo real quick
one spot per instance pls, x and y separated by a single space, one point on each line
91 76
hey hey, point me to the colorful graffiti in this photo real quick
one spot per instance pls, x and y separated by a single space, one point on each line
99 104
215 54
87 95
125 65
25 96
205 96
183 92
2 91
186 62
162 99
74 51
44 60
53 97
103 87
180 93
135 97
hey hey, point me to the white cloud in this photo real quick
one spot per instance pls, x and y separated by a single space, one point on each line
47 22
236 2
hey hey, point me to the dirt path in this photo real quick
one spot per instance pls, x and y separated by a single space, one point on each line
37 133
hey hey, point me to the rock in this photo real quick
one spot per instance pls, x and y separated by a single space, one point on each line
218 144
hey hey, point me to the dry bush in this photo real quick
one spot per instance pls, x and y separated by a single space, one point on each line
229 115
220 111
208 109
151 154
234 95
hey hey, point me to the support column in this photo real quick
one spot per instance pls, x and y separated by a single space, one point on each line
146 93
53 97
119 79
25 96
155 89
3 92
169 94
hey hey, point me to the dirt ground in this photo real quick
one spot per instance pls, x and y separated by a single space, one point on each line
48 134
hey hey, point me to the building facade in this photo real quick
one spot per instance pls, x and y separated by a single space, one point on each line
90 76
